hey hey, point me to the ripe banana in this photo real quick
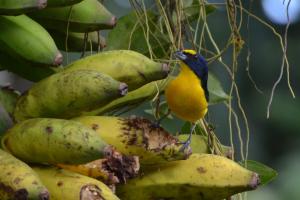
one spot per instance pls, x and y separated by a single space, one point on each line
67 94
67 185
135 97
18 181
136 136
24 68
86 16
114 168
126 66
48 140
22 37
201 177
58 3
75 41
14 7
199 144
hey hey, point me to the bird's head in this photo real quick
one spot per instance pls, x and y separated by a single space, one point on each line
192 59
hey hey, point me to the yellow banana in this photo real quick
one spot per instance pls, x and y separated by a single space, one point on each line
126 66
67 185
199 144
48 140
67 94
201 177
136 136
75 41
58 3
14 7
86 16
113 169
21 36
18 181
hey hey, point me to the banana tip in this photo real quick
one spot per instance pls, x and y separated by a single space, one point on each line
166 68
113 21
123 88
42 4
44 195
255 181
58 59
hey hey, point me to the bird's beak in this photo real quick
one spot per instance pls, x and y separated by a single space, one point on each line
180 55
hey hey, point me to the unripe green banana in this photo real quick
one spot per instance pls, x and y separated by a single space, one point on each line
21 36
199 144
136 136
48 140
86 16
67 94
58 3
67 185
17 7
24 68
135 97
75 41
126 66
202 176
18 181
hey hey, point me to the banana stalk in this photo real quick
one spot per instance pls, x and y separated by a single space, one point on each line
47 140
22 37
18 181
126 66
136 136
67 94
86 16
67 185
14 7
201 177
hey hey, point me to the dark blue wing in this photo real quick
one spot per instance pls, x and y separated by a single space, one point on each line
199 66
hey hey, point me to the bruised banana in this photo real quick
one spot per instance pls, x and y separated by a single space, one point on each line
201 177
24 68
67 185
135 97
114 168
126 66
67 94
48 140
136 136
86 16
58 3
18 181
22 37
75 41
199 144
14 7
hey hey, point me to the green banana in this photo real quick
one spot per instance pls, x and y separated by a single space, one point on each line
133 98
18 181
75 41
67 185
67 94
17 7
136 136
48 140
126 66
201 177
86 16
199 144
24 68
58 3
23 37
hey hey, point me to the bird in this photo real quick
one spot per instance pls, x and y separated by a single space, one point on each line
187 95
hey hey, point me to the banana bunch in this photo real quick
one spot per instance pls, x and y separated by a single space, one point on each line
202 176
13 7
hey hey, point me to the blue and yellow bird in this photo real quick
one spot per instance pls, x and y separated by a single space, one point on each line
187 95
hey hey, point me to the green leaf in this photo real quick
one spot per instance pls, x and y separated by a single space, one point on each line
216 92
129 34
8 98
186 129
266 173
192 12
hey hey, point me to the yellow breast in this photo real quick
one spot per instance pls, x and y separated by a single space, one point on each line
185 96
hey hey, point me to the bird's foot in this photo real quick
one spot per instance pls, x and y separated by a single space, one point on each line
185 145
